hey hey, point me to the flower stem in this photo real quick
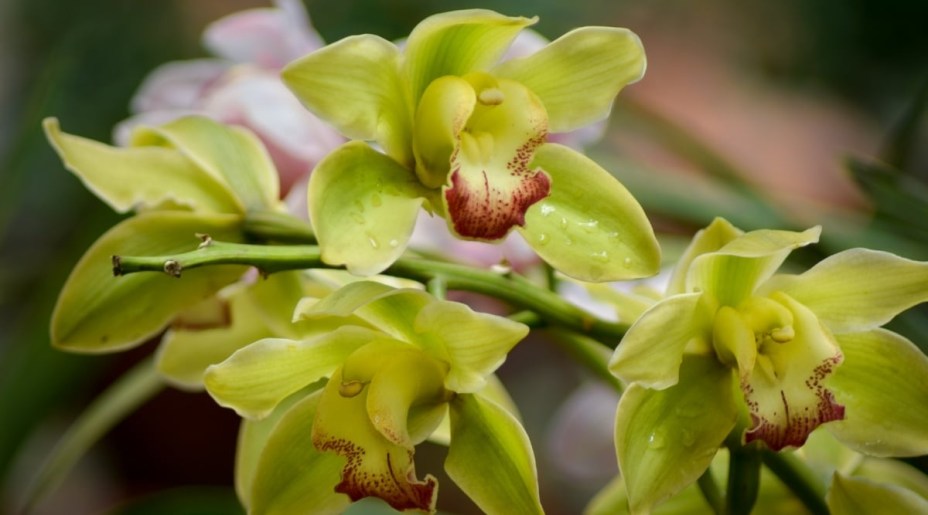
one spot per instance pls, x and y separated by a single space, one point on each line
798 478
710 490
590 353
743 478
509 287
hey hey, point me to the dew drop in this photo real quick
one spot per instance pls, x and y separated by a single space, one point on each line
568 241
563 223
601 256
687 437
373 241
543 239
546 209
627 262
358 218
657 440
376 201
394 244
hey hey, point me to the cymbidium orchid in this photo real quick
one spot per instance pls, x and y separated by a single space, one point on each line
398 361
732 336
465 136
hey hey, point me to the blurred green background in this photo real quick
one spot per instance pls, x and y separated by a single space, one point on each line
779 114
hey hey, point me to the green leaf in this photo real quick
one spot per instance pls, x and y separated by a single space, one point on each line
186 351
140 177
733 272
457 42
883 385
858 496
578 75
291 475
652 349
665 439
363 206
354 84
858 289
232 155
97 312
257 377
590 227
490 457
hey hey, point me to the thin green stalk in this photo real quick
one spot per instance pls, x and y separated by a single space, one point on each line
588 352
510 288
801 480
710 490
743 478
133 389
437 287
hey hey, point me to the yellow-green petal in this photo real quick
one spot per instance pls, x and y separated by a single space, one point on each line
140 177
457 42
490 457
858 289
257 377
733 272
578 75
859 496
652 349
375 466
232 155
354 84
665 439
441 115
590 227
709 239
291 475
363 207
883 384
97 312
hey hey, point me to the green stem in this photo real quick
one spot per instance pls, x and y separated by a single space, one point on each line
801 480
510 288
710 490
133 389
588 352
743 478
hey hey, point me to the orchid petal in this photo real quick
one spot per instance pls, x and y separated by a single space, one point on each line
257 377
363 206
375 466
733 272
474 344
355 85
883 384
612 241
858 289
142 177
292 476
441 115
652 349
273 298
177 85
710 239
185 352
490 457
853 495
492 182
895 472
578 75
232 155
785 392
97 312
665 439
458 42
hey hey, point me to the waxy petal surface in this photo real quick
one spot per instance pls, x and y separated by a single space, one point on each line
579 75
441 115
854 495
883 384
611 243
710 239
363 207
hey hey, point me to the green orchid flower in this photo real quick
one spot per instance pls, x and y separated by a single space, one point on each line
464 136
794 351
392 372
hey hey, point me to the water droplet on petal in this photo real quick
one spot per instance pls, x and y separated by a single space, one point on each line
394 243
373 241
657 440
627 262
543 239
687 437
376 201
601 256
546 209
563 223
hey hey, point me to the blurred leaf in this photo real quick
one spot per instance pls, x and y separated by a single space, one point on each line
900 201
903 138
197 500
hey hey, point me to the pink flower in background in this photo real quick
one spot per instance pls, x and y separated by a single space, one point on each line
242 86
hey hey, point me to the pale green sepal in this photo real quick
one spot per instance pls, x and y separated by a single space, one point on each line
578 75
140 177
733 272
291 475
474 344
858 289
186 350
441 115
97 312
894 472
665 439
363 207
590 227
494 391
274 297
458 42
354 84
652 349
231 154
710 239
858 496
490 457
883 385
253 435
257 377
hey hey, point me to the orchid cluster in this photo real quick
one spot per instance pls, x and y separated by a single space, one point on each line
334 337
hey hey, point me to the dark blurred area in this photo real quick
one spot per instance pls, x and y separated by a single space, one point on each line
781 93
